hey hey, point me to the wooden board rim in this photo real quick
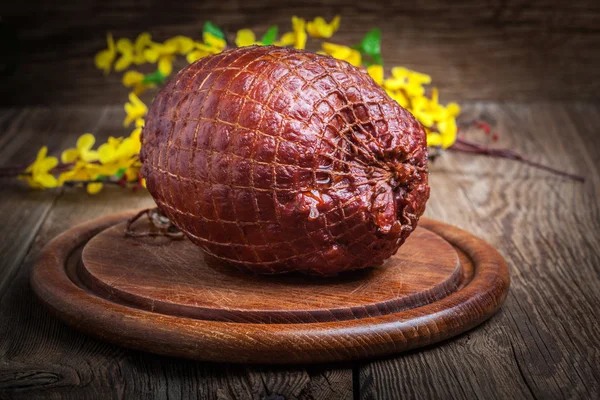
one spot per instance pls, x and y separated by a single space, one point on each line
278 343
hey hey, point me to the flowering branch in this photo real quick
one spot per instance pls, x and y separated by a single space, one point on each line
116 162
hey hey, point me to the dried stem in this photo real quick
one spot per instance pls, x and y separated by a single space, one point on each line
103 181
466 146
16 170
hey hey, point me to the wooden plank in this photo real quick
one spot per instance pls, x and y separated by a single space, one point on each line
543 344
585 118
22 211
43 359
474 50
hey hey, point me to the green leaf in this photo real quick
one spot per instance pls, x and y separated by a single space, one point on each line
213 29
377 58
155 77
371 47
121 172
270 36
371 43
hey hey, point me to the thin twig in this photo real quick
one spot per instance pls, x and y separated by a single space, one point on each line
103 181
19 169
466 146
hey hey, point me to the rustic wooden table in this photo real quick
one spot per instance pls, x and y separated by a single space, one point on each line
542 344
534 63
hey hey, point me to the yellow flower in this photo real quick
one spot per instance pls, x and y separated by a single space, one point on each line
134 53
105 58
107 152
83 171
125 47
216 43
245 37
38 174
95 187
82 150
453 109
434 139
438 111
181 44
135 79
298 37
376 72
448 131
119 149
400 97
132 144
422 109
439 121
410 81
319 28
143 41
164 54
211 45
120 154
200 52
135 109
343 53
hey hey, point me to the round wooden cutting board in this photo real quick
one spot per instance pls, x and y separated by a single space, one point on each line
159 295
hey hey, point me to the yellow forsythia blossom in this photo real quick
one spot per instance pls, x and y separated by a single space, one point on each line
201 50
119 149
410 81
105 58
319 28
407 88
376 72
211 45
135 80
245 37
119 155
438 120
143 41
297 37
343 53
216 43
107 152
83 171
82 150
164 54
400 97
125 47
180 44
135 109
38 174
130 52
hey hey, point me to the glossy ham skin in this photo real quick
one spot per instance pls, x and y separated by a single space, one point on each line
275 160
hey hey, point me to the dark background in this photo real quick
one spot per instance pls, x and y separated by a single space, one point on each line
475 50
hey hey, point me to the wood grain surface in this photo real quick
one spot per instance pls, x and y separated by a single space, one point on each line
172 277
491 50
543 344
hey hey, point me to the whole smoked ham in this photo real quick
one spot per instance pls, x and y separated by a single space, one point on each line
275 160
